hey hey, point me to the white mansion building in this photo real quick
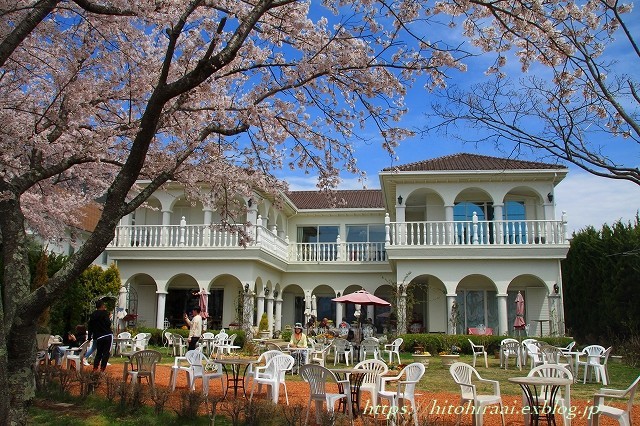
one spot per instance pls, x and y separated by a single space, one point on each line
457 237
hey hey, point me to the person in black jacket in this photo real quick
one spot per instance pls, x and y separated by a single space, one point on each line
102 335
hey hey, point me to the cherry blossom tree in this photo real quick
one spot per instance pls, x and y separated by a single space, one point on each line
579 100
216 94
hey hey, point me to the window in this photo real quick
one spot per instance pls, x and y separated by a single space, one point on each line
477 307
366 242
318 243
515 231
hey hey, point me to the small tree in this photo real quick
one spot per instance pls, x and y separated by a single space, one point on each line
264 323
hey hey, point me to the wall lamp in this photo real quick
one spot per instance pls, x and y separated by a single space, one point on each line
556 288
250 202
401 288
276 293
550 197
399 200
246 288
266 291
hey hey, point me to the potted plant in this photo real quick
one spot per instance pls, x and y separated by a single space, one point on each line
451 351
263 327
419 355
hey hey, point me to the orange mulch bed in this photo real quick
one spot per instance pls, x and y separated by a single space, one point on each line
437 407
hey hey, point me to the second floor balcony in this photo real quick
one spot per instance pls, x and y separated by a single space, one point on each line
418 234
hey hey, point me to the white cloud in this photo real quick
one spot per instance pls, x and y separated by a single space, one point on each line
593 200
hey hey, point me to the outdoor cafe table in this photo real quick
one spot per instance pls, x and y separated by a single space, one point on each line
356 377
233 373
545 406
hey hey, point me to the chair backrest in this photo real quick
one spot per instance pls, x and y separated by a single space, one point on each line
511 348
569 347
368 331
341 345
317 377
145 360
42 341
279 365
195 358
474 346
268 355
168 337
395 345
84 347
508 340
124 335
593 350
378 369
412 373
208 335
551 370
550 354
534 351
630 392
232 338
370 344
270 346
463 374
222 337
605 355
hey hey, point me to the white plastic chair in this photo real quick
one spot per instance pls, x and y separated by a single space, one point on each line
564 401
143 364
140 341
371 381
344 349
168 337
196 361
510 348
127 345
77 357
393 348
405 389
318 377
464 375
178 344
534 354
622 415
478 350
369 346
319 354
263 360
593 355
273 375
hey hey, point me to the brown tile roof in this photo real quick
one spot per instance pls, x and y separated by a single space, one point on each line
354 199
472 162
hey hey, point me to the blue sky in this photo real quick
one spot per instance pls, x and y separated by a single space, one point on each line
587 199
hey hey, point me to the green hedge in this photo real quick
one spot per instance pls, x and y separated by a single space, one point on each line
436 343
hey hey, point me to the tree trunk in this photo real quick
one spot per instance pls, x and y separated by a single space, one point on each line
20 377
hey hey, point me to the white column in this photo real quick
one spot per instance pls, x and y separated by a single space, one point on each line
166 221
162 298
260 306
370 312
270 316
206 232
278 314
451 325
503 318
448 217
247 314
339 312
401 227
402 311
497 219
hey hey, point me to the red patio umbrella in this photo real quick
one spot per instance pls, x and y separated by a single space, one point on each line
361 297
519 323
204 304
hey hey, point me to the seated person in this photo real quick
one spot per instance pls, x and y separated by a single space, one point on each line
298 340
368 330
343 328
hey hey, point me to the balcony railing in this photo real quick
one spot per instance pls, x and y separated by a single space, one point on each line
476 232
417 234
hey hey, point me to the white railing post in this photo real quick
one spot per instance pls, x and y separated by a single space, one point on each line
475 228
387 235
183 225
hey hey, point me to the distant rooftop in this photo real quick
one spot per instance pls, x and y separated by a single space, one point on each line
354 199
466 161
372 198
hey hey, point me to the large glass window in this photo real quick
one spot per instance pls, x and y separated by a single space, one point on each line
318 234
515 231
366 242
477 307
